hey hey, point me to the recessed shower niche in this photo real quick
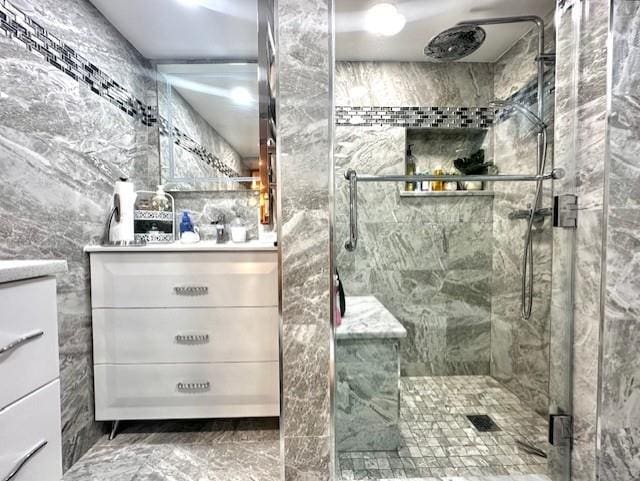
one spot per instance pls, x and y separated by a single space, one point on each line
434 152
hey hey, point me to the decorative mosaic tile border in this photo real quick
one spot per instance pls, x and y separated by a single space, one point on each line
35 38
183 140
415 117
443 117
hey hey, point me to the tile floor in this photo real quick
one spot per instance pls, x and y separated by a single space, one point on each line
247 450
439 441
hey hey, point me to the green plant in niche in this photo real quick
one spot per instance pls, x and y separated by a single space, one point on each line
473 165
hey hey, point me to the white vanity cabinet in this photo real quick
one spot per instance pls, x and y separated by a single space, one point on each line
185 334
30 419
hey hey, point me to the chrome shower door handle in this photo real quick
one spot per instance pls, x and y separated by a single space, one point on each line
20 341
24 460
352 177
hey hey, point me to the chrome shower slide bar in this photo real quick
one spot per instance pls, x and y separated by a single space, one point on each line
353 178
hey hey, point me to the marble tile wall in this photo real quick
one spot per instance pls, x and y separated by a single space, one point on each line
305 120
519 348
619 410
413 84
206 207
367 395
434 149
61 148
428 260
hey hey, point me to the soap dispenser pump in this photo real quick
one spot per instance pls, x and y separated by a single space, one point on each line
185 225
188 233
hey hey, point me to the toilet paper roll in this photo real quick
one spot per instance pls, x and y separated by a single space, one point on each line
122 231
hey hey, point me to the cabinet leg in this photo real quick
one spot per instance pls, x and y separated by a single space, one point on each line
114 430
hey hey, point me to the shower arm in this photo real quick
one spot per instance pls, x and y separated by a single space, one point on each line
542 58
538 21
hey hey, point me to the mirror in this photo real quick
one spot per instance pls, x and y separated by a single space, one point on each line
209 125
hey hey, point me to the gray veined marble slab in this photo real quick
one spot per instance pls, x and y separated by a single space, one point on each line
366 318
17 270
188 450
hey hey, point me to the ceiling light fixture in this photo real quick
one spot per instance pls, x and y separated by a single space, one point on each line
241 96
384 19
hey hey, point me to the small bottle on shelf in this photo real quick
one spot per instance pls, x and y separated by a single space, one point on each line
451 185
425 185
437 185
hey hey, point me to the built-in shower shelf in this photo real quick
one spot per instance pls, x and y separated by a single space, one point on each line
449 193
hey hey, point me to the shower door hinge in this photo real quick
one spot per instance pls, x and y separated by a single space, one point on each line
560 429
565 211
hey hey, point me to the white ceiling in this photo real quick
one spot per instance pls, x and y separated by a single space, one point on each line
207 88
169 29
227 29
425 19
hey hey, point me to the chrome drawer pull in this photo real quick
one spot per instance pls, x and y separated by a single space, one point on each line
24 460
192 338
19 342
190 387
191 290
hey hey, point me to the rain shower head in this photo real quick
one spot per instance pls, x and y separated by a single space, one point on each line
455 43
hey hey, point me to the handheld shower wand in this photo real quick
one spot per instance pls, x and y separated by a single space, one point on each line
526 292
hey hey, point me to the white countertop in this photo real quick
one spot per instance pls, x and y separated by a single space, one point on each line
17 270
202 246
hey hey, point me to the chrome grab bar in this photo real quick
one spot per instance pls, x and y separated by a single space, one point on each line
24 460
19 342
191 387
555 174
192 338
352 177
191 290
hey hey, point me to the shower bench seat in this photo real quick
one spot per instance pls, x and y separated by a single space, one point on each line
368 377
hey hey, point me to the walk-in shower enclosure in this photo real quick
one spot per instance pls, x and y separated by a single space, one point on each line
440 368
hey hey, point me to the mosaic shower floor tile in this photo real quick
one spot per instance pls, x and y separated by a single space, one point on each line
440 442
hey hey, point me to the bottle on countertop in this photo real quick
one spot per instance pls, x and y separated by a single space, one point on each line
186 225
188 232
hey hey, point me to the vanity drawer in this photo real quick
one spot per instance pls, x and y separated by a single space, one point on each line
26 425
185 335
28 336
189 279
174 391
